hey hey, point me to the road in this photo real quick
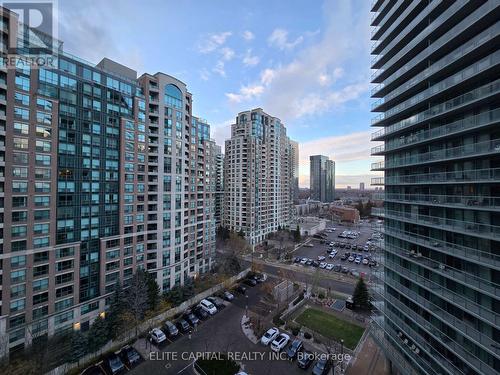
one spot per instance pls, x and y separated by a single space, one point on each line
220 333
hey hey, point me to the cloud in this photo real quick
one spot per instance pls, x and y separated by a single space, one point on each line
325 75
211 42
246 93
279 38
227 53
249 60
204 74
248 35
221 132
219 68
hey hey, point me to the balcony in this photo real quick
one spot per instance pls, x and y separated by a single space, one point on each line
467 279
460 201
440 337
487 118
469 254
378 166
451 82
477 176
460 226
459 300
454 153
480 40
378 181
468 98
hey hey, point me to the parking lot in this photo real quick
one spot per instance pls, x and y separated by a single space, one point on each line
345 251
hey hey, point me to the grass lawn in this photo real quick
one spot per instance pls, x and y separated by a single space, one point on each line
218 367
330 326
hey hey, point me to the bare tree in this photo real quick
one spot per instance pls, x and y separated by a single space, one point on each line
137 298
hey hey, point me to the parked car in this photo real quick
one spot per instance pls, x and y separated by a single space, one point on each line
241 289
344 257
309 262
228 296
129 355
250 282
218 302
269 336
200 313
315 263
208 306
157 336
350 259
321 258
337 268
357 260
183 326
308 245
304 359
329 267
191 318
115 364
365 261
260 277
322 367
345 270
322 265
294 349
170 329
297 260
280 342
304 261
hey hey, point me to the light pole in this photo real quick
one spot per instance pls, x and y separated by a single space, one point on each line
342 355
246 306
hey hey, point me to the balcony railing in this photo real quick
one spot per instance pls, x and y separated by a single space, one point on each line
467 253
440 336
471 228
444 39
377 181
470 150
480 284
447 83
457 299
467 176
479 40
466 98
468 123
464 201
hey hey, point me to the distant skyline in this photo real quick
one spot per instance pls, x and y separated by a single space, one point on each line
308 65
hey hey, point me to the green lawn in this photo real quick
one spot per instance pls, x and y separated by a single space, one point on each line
330 326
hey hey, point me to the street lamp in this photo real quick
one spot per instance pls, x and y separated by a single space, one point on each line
342 355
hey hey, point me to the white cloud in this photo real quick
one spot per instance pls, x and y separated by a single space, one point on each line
246 93
279 38
249 60
267 75
213 41
227 53
221 132
219 68
248 35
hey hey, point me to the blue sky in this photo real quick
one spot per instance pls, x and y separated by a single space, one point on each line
306 62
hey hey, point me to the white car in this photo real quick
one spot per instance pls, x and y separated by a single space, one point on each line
321 258
329 267
357 260
365 261
208 306
322 265
332 243
303 261
350 259
157 335
280 342
269 336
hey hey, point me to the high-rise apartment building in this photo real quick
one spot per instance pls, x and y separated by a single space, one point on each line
437 86
257 197
294 155
219 186
102 173
362 186
322 178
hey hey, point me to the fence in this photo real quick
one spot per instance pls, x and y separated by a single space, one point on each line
148 324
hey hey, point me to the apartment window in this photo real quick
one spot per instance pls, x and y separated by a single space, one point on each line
22 83
41 229
42 214
20 143
40 298
67 66
18 216
44 104
40 270
64 317
43 146
19 201
64 304
17 291
42 160
65 252
64 291
40 285
20 158
42 201
20 172
17 305
40 312
19 231
42 187
21 128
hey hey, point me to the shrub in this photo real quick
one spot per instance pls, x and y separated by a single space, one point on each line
307 335
321 296
295 331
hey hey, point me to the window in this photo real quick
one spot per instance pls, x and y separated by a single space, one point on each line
19 201
22 99
18 276
64 317
42 160
20 143
69 83
41 228
42 201
42 187
40 242
19 231
22 83
19 172
64 304
44 105
67 66
17 305
173 96
40 298
40 285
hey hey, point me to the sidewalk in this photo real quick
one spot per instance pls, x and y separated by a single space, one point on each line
370 360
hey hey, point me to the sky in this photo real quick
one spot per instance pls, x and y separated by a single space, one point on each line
304 61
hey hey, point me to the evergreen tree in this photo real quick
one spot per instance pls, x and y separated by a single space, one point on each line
115 311
153 291
98 335
78 346
296 234
361 297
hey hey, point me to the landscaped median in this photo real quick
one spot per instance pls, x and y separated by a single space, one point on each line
329 326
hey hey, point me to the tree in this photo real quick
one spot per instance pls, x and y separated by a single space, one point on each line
115 310
361 297
78 346
241 233
296 234
137 297
153 291
98 335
